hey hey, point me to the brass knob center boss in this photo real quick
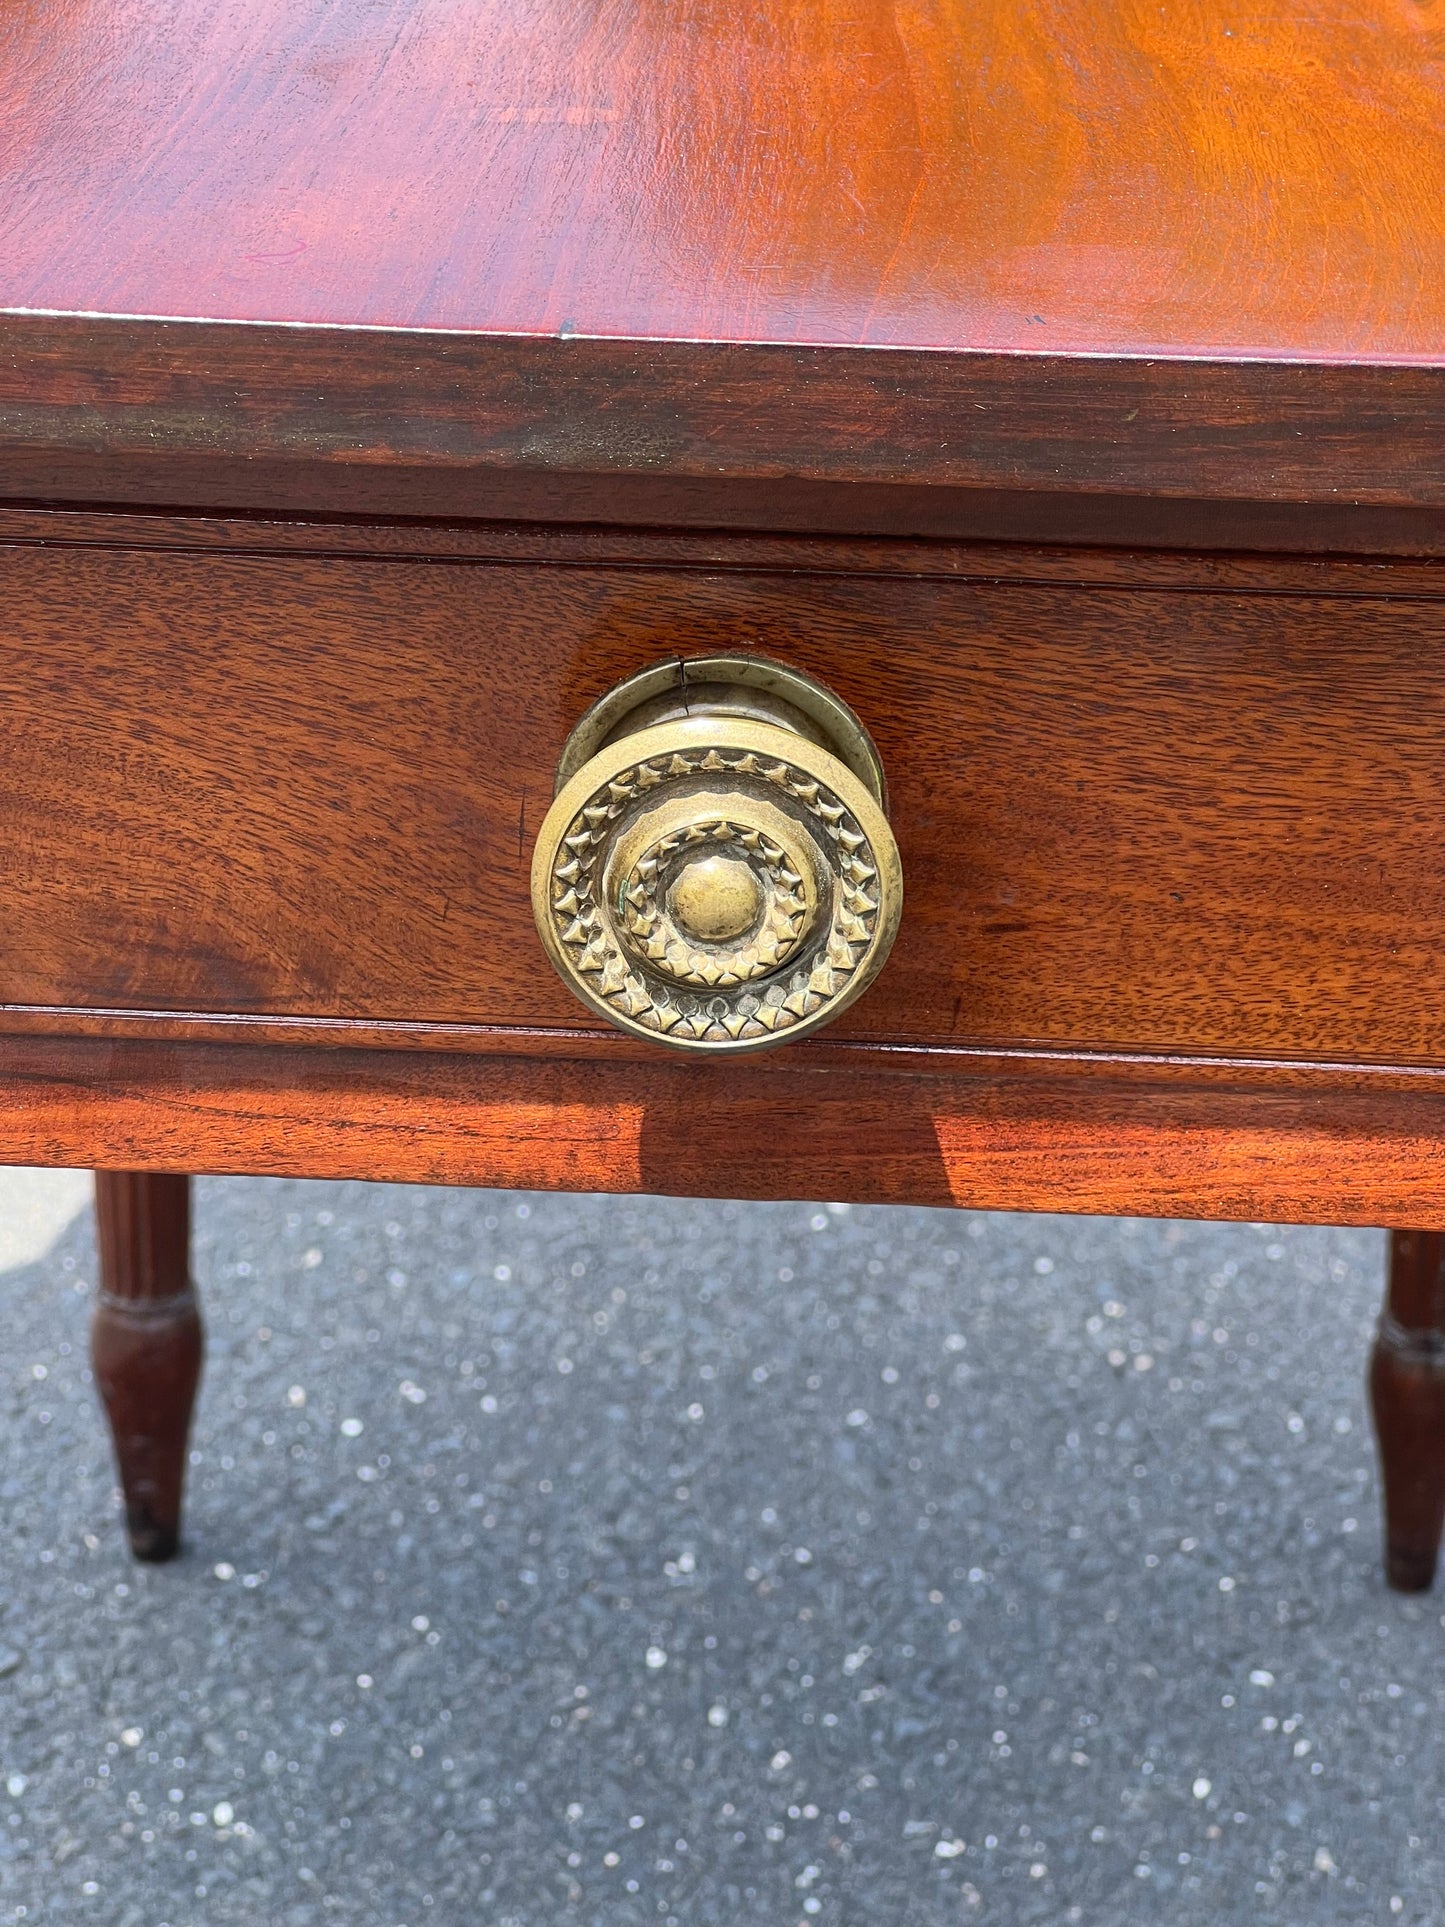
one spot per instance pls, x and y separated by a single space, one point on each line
716 871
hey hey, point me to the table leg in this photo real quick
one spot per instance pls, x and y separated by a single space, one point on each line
1407 1389
146 1345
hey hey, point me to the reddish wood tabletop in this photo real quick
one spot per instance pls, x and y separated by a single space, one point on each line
1197 177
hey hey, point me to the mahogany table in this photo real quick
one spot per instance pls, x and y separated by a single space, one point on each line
1045 406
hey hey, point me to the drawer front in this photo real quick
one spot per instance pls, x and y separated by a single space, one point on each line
1132 817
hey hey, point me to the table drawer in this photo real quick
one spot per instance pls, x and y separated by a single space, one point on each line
1139 807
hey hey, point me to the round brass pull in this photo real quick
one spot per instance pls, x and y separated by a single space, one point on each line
716 871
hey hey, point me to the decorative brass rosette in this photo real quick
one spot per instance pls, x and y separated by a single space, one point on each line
716 882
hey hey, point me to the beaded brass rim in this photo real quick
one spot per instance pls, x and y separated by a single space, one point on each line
716 883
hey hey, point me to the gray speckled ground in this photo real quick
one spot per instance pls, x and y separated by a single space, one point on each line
612 1561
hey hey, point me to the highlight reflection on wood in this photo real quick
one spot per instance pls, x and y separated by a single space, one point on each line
1210 176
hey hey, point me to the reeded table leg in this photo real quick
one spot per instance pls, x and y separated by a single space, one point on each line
1407 1387
146 1345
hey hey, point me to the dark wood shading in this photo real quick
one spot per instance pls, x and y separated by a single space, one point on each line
892 441
146 1346
1407 1389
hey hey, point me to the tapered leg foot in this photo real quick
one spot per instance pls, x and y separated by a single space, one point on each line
1407 1390
146 1346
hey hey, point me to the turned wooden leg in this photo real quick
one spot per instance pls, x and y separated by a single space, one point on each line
1407 1389
145 1345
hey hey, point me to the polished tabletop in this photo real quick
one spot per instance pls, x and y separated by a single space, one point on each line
1257 178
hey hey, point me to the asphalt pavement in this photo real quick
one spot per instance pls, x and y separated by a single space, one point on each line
583 1560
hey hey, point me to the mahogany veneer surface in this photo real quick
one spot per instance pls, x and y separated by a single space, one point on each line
770 263
1146 809
1000 1133
1210 176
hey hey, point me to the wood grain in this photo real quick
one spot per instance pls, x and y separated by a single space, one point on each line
967 268
584 547
774 1128
1096 176
1134 816
368 422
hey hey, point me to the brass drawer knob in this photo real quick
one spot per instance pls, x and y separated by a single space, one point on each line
716 871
